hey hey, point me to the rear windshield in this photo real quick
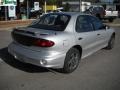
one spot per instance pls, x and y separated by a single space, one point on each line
98 9
56 22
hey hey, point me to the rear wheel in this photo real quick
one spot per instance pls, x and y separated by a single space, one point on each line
111 42
110 19
71 61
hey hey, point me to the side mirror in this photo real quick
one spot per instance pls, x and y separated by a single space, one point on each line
107 27
104 27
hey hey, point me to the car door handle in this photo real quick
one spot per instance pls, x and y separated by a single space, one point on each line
98 34
80 38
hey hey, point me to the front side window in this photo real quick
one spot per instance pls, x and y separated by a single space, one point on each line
57 22
83 25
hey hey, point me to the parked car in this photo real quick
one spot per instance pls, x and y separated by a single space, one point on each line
97 11
60 40
35 13
101 13
32 12
111 14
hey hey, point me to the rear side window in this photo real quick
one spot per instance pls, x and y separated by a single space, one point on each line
83 25
98 25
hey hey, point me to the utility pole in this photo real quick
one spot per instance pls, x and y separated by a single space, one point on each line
45 6
27 9
80 4
5 13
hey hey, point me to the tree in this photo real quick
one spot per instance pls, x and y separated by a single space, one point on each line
18 9
51 2
93 1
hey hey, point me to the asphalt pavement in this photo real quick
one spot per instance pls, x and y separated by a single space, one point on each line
100 71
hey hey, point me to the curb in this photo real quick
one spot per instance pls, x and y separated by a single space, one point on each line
114 25
6 29
6 25
10 28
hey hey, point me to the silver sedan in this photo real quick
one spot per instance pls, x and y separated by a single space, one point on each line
60 40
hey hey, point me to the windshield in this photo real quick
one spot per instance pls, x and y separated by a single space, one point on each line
57 22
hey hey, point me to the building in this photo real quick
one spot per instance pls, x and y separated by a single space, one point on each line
24 9
110 4
75 5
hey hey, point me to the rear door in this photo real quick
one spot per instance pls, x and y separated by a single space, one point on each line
100 31
85 35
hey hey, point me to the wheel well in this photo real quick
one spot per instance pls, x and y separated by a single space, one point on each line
78 47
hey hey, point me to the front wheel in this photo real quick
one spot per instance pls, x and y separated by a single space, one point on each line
71 61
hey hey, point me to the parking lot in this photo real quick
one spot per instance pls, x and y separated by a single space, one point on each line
100 71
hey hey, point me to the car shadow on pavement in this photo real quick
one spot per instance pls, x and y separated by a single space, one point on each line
10 60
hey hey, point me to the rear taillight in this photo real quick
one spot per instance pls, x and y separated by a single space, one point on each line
43 43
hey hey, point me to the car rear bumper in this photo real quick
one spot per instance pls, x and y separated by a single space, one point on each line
109 17
36 57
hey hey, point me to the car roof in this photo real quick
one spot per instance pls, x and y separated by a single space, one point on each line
96 6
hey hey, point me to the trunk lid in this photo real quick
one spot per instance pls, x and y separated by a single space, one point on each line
26 36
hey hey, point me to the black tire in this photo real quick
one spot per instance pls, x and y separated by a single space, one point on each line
111 43
110 19
98 15
71 61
